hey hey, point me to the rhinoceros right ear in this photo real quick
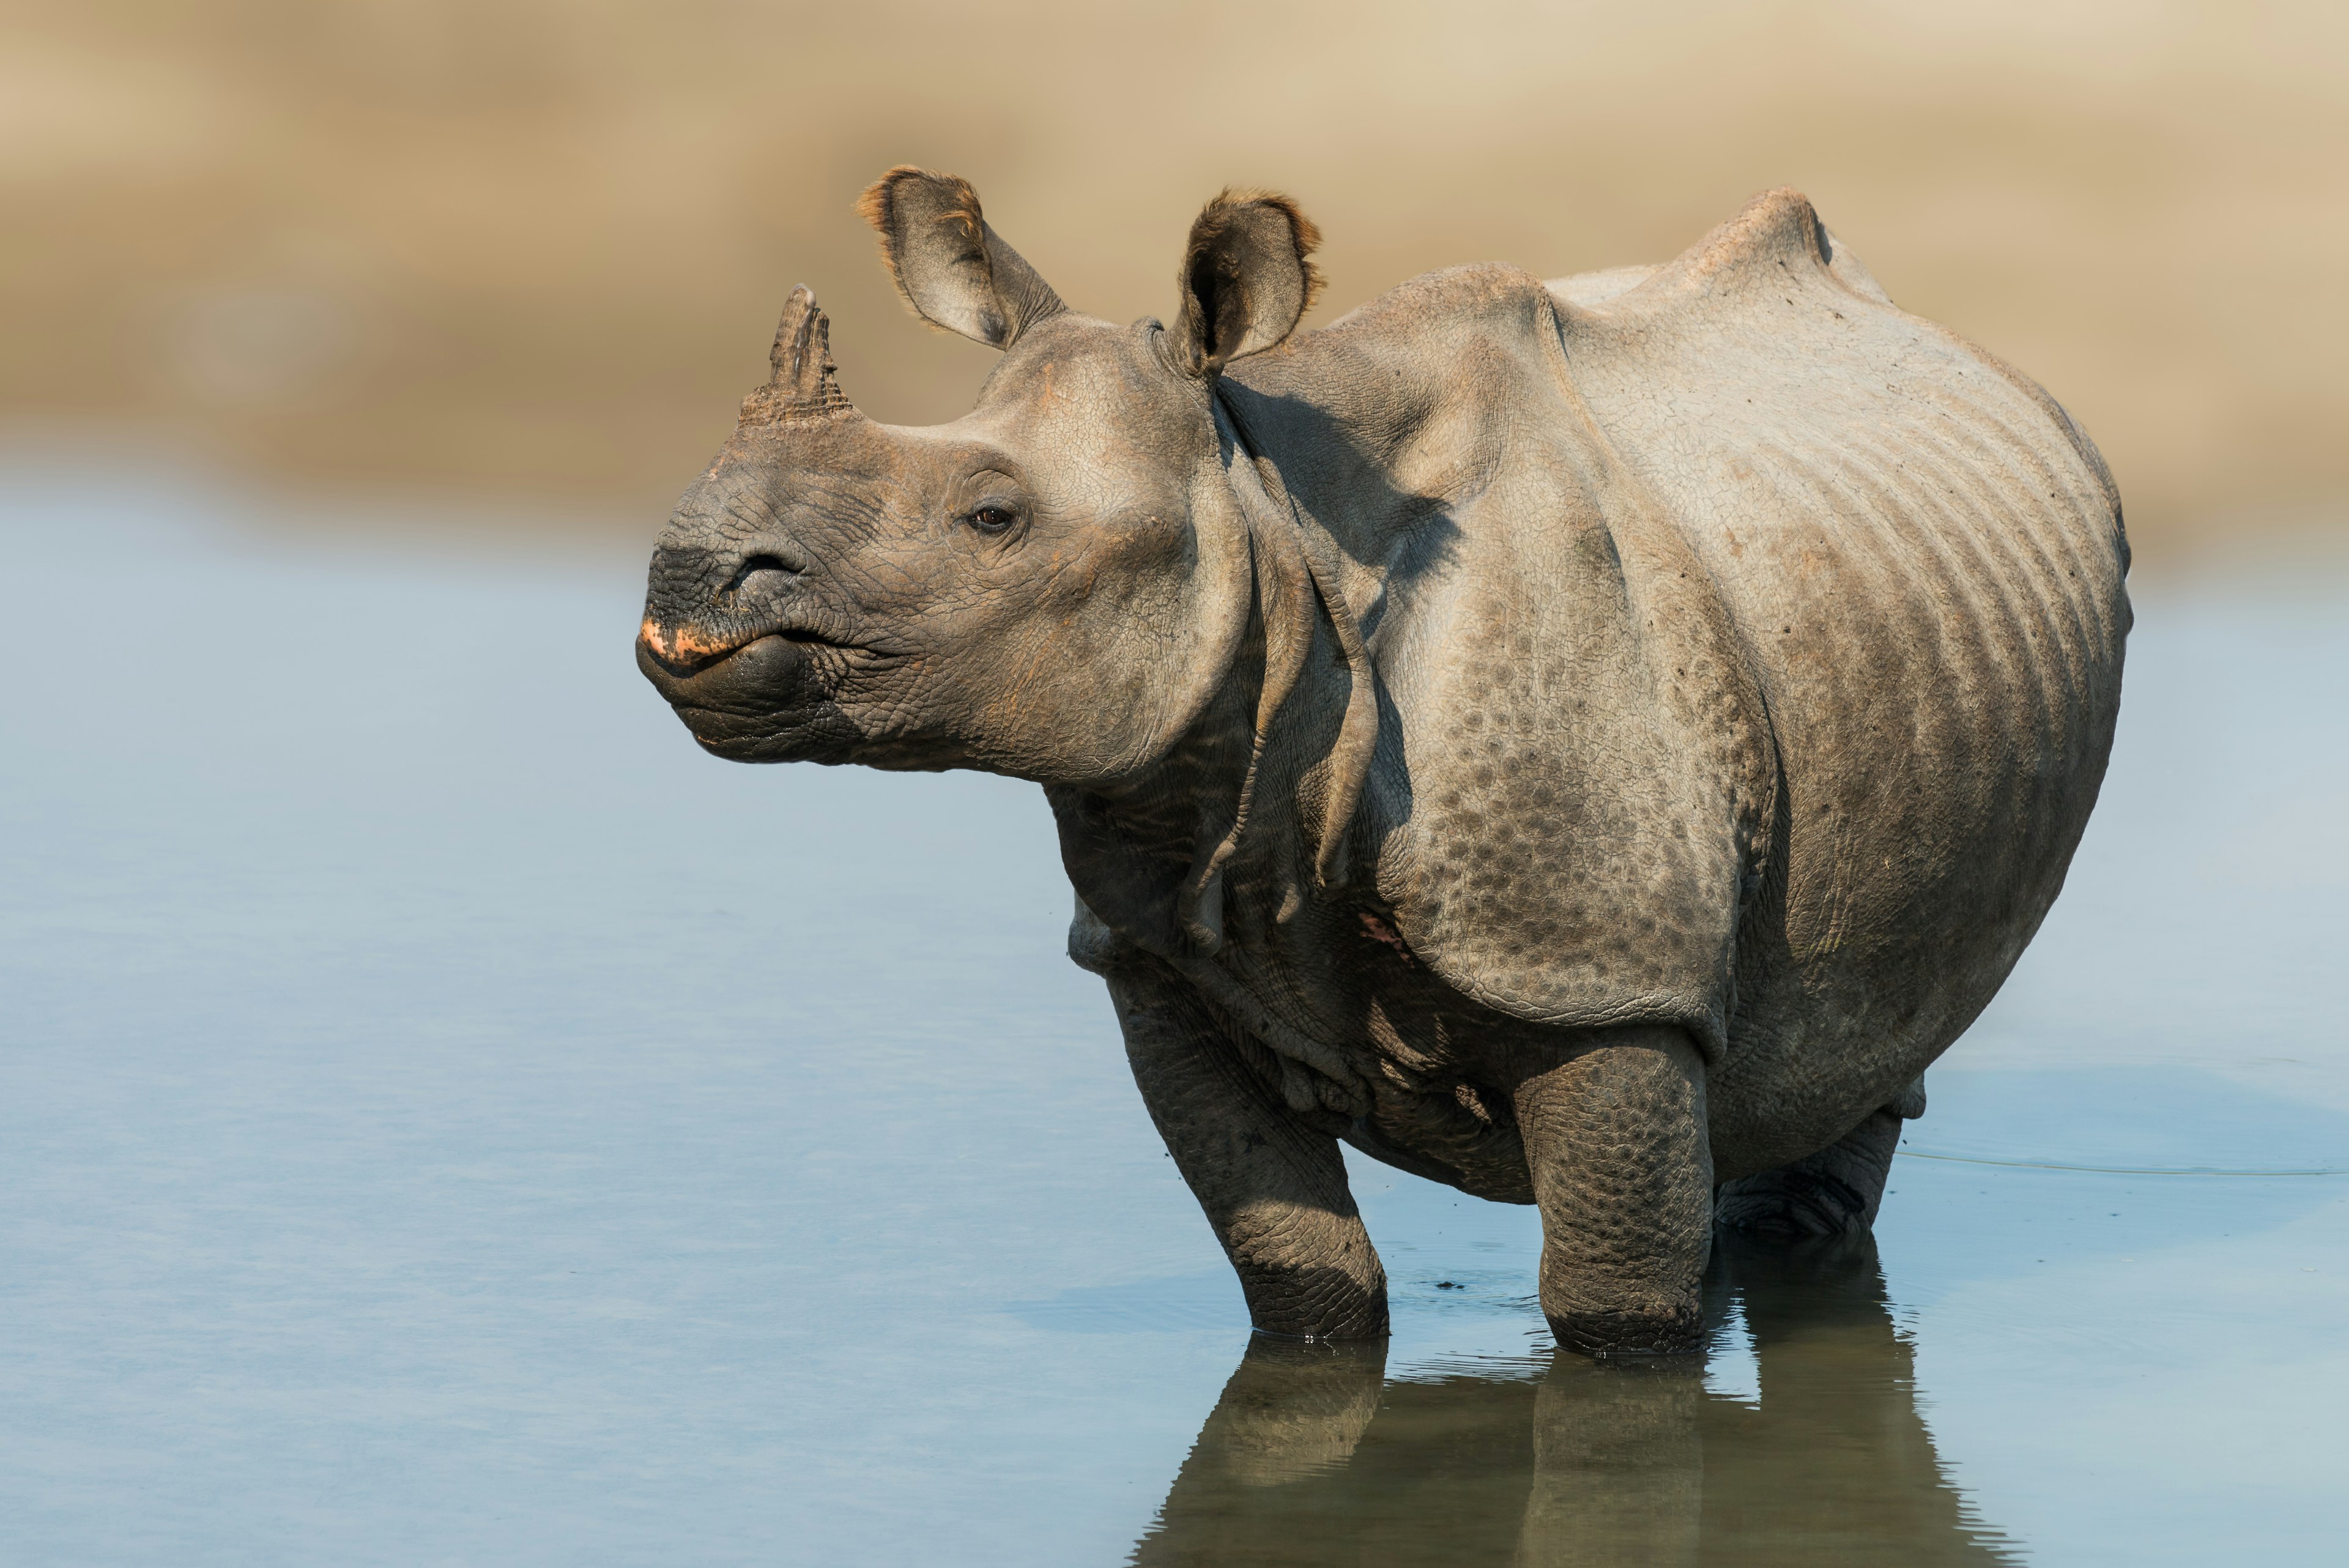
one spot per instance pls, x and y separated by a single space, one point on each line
1246 277
954 270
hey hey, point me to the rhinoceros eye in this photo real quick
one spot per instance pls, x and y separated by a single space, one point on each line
992 517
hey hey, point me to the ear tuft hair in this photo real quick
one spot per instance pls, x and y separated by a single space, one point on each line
878 206
1248 275
952 270
1304 232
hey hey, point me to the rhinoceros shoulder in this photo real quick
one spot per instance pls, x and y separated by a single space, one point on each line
1591 290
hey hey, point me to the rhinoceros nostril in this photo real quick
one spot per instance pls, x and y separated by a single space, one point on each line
752 565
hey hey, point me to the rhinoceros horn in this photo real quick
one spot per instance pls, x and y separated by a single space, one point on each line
803 385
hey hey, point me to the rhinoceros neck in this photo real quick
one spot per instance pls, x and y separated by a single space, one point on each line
1216 838
1381 422
1377 436
1129 845
1351 446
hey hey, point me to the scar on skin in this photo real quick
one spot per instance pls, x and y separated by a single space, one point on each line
1379 931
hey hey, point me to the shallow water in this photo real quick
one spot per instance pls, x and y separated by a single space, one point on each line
444 1118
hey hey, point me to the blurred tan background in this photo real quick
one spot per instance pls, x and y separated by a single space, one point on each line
533 249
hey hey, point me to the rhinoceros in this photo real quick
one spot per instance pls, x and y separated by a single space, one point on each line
1592 743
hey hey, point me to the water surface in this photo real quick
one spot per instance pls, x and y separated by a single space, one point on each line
444 1118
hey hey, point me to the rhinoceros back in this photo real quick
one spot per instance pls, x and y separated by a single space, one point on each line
1923 559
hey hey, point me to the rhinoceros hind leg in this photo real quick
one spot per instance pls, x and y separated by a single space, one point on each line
1834 1192
1623 1170
1273 1187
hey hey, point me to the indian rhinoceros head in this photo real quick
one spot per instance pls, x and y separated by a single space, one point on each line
1053 586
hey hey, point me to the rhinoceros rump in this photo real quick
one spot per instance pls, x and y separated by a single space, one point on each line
1592 743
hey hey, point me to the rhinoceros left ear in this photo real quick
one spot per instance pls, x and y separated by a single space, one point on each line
1246 277
953 269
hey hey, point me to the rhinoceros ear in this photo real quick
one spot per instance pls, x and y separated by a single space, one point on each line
1246 277
953 269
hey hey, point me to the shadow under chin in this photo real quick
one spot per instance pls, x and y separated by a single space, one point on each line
1313 1456
821 736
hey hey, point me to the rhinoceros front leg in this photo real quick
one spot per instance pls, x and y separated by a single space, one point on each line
1615 1136
1273 1187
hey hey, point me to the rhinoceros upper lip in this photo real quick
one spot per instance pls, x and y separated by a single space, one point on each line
700 658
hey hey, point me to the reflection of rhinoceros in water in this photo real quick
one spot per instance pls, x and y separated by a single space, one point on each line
1591 743
1312 1456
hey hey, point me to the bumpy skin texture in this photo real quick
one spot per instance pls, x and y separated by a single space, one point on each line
1617 1142
1274 1189
1580 742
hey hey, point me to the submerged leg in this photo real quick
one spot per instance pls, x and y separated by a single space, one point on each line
1273 1187
1833 1192
1622 1168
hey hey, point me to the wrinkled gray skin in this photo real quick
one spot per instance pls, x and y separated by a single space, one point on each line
1592 743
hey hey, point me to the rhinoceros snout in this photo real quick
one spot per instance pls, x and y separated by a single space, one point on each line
703 594
757 673
706 598
763 700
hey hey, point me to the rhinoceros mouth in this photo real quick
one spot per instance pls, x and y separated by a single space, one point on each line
684 658
766 700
